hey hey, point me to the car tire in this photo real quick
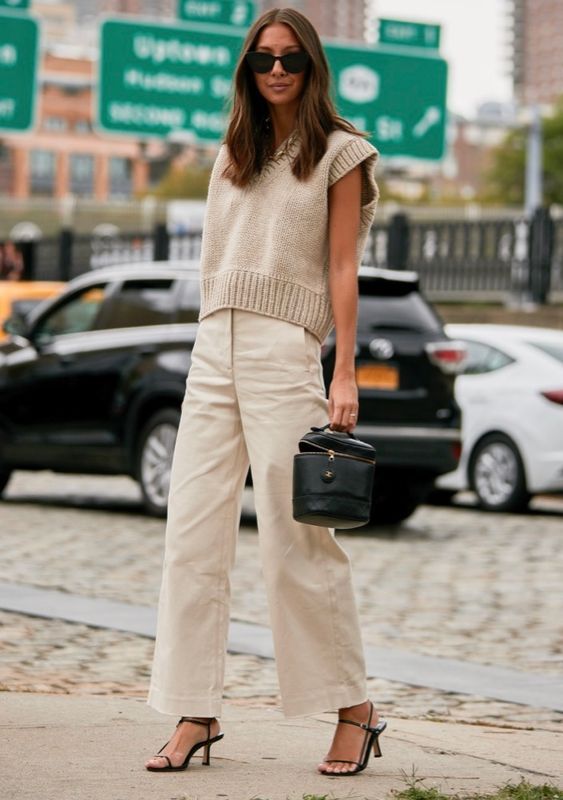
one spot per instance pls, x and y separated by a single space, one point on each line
154 459
497 476
5 475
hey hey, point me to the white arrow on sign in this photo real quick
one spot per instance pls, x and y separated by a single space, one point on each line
431 116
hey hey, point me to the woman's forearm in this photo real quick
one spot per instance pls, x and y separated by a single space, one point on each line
343 287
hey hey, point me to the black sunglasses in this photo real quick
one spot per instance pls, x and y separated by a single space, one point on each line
264 62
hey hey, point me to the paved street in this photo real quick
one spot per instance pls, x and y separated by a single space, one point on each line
450 582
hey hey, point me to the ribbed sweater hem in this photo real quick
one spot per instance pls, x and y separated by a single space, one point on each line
264 294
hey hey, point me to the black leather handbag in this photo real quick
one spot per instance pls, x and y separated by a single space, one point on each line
332 479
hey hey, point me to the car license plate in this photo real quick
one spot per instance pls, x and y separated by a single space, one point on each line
377 376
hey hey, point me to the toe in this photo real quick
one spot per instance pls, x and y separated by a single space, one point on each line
156 761
328 769
335 769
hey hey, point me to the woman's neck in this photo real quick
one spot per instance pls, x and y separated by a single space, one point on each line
282 123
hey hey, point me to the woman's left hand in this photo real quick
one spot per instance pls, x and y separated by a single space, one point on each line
343 403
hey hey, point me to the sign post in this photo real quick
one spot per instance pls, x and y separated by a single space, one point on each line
19 44
400 98
238 13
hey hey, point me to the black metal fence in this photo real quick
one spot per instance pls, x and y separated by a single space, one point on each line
501 259
455 259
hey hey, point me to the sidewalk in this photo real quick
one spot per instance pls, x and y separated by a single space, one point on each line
72 747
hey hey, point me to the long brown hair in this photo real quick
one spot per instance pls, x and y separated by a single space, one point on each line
246 136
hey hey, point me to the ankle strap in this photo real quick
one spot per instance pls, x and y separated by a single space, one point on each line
364 725
196 721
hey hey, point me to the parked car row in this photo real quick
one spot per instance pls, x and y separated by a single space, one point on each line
92 381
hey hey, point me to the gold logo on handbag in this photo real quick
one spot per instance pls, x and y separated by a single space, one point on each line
333 479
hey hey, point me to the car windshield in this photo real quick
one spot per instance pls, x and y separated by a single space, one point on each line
76 314
553 349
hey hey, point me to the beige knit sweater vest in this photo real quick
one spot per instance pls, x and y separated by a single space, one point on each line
265 247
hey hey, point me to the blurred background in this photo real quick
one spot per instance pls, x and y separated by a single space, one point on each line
484 88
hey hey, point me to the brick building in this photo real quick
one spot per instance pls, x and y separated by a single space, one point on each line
332 18
341 19
537 50
63 154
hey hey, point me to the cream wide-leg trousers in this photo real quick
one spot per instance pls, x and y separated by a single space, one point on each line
254 388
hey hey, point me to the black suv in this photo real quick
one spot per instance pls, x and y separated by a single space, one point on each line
92 381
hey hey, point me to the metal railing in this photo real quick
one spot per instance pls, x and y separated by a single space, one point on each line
490 260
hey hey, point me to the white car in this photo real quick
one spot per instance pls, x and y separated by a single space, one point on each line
511 397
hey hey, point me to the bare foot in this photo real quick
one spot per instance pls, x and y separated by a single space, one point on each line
348 741
183 739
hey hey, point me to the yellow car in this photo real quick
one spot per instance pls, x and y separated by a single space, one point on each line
32 291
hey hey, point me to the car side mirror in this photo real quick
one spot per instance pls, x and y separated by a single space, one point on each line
16 325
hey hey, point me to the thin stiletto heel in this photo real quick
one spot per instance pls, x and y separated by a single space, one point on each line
371 741
206 744
376 746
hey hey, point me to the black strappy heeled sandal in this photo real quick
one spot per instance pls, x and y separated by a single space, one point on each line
371 740
205 744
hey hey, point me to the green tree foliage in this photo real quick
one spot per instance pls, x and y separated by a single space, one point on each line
505 180
181 183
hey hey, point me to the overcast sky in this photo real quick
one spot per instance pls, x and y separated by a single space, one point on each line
474 42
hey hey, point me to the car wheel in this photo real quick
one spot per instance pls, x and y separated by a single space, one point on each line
5 475
154 459
496 475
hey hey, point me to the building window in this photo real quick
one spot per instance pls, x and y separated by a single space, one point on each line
120 177
82 126
55 124
82 175
42 164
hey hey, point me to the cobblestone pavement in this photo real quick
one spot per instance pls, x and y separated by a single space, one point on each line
451 582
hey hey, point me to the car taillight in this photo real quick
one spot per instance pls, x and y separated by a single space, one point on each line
449 356
555 395
456 450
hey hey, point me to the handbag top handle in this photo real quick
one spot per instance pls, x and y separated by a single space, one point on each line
341 433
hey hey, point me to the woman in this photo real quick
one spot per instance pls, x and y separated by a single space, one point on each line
291 198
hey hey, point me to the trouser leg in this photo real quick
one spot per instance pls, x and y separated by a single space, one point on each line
208 472
312 606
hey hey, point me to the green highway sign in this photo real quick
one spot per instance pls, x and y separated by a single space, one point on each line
400 98
239 13
19 44
155 80
158 80
16 5
411 34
